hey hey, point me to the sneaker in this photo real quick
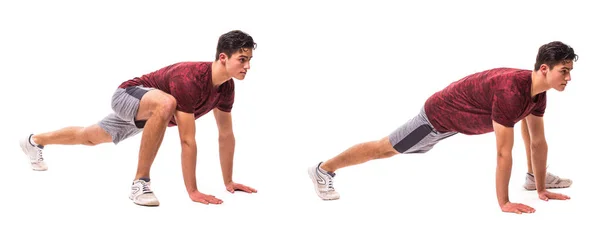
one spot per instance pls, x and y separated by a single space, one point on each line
552 181
34 152
323 182
141 194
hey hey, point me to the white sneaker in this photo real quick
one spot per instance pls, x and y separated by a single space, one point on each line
141 194
34 152
323 182
552 181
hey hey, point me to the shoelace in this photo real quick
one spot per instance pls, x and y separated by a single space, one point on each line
146 188
330 185
40 158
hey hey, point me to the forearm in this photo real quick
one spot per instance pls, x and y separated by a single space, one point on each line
226 151
539 157
503 171
188 165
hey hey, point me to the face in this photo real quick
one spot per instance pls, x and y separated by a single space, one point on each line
238 64
559 76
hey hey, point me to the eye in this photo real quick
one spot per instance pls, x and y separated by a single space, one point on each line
242 60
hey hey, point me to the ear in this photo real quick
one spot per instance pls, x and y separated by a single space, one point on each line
223 57
544 69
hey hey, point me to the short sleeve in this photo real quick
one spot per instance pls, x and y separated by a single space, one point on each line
227 96
540 106
185 92
506 107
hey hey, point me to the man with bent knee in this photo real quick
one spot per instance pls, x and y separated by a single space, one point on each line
489 101
175 95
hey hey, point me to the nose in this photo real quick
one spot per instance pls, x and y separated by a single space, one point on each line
568 77
247 66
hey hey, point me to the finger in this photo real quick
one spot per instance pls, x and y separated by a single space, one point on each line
544 197
557 196
517 211
215 200
201 201
526 209
563 197
246 189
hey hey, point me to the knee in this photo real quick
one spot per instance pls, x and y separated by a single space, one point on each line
165 107
384 149
93 135
90 143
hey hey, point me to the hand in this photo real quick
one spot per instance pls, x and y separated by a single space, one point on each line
517 208
197 196
545 195
232 187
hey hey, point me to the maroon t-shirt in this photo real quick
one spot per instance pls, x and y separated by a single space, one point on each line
470 104
191 85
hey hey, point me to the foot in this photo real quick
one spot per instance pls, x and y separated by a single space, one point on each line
141 194
323 182
34 152
552 181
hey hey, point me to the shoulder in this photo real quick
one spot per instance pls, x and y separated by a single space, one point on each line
512 79
200 67
228 86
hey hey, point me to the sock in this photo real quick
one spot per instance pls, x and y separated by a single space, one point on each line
33 142
325 172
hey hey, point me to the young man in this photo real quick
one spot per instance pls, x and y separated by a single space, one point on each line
489 101
175 95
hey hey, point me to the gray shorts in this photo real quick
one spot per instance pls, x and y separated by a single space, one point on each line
121 124
417 135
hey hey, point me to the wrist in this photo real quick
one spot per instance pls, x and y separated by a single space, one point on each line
192 190
503 202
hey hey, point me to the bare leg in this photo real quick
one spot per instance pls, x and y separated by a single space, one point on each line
157 108
527 141
91 135
359 154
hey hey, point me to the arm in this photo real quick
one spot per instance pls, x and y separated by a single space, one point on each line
226 150
504 145
539 157
226 144
187 134
539 150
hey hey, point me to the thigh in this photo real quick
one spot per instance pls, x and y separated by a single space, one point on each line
150 100
417 135
95 134
126 102
118 128
430 141
410 136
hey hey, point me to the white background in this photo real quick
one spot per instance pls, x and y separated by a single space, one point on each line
326 75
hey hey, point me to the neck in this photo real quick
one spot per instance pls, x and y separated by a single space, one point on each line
219 74
538 83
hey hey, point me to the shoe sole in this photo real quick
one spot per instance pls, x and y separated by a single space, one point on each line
316 185
156 204
547 187
147 205
23 144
